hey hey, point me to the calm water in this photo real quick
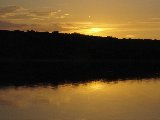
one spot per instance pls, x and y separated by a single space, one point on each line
124 100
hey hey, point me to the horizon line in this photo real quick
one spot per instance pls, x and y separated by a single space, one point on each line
60 32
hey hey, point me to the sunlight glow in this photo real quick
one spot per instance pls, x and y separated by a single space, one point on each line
96 85
95 30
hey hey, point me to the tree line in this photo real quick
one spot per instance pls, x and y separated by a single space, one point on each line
75 46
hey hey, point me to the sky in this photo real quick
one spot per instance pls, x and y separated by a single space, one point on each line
118 18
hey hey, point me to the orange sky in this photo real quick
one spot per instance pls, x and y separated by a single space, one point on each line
119 18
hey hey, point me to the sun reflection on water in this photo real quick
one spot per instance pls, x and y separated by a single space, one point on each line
96 85
85 100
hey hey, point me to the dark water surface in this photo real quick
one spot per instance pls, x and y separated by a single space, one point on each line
94 100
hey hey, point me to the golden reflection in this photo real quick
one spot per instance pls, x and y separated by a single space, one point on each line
68 93
96 85
93 100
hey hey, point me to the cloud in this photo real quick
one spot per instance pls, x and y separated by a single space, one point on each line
53 27
17 17
4 25
16 13
156 19
39 14
9 9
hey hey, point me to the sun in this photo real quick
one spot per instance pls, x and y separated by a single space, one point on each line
92 31
95 30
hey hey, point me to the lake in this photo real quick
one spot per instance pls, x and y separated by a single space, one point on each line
94 100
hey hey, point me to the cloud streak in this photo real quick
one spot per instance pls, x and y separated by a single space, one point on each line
9 9
4 25
12 13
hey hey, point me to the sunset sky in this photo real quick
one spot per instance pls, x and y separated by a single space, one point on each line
118 18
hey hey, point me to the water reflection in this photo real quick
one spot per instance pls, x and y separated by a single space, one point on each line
94 100
57 73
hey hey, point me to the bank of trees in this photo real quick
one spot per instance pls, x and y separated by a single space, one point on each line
44 45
